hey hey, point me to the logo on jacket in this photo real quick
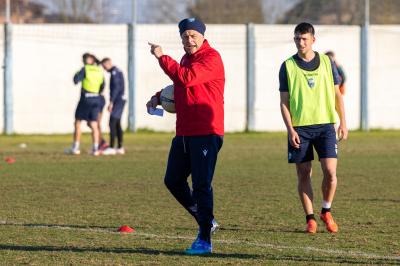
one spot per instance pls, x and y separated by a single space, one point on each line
311 82
205 152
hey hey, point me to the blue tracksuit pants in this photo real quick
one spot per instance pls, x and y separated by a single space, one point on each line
195 156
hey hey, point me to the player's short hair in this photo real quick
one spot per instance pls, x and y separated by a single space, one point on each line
330 53
86 56
303 28
105 59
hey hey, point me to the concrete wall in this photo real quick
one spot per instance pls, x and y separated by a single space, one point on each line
384 86
2 78
45 58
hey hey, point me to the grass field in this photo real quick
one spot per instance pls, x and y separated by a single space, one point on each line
59 209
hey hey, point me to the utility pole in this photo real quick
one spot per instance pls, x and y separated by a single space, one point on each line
8 96
364 69
132 69
250 77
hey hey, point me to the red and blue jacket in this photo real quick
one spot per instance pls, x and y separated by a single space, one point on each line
199 82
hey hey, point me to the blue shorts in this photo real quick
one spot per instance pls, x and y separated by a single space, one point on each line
88 109
118 108
321 137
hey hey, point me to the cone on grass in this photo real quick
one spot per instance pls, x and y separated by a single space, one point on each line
10 160
126 229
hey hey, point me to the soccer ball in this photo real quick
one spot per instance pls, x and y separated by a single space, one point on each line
167 99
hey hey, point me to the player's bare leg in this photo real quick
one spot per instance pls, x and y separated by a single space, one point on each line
329 181
77 131
95 137
102 143
74 150
328 188
304 187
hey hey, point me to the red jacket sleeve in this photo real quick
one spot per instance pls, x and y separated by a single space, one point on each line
207 68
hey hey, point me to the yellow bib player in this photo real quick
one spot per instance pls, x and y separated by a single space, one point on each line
90 103
310 98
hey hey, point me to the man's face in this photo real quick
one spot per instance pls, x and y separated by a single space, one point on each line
89 60
304 42
107 65
192 41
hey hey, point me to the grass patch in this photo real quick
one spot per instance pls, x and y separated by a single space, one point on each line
59 209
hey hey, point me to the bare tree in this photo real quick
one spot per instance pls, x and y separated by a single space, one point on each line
24 11
228 11
162 11
349 12
78 11
273 9
385 11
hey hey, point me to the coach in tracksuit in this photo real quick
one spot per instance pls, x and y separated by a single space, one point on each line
199 81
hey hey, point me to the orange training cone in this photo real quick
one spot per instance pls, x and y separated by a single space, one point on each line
126 229
9 160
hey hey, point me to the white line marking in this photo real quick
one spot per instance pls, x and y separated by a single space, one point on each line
353 254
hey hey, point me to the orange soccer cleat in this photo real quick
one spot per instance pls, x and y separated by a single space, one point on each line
330 224
311 226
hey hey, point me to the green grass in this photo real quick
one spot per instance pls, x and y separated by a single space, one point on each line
59 209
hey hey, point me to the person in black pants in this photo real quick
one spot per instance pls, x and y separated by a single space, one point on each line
199 82
116 107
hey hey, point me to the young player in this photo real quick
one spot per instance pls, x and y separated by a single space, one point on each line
91 77
310 94
116 107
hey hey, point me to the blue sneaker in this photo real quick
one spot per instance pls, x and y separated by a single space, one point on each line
199 247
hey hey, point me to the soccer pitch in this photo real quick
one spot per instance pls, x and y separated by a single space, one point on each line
59 209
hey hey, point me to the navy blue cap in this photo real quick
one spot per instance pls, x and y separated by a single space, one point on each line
191 24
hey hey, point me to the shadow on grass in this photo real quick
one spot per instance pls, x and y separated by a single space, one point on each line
147 251
271 230
66 226
377 200
242 229
267 256
114 229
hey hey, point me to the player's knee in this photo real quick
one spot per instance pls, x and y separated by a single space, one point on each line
330 176
93 125
169 182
